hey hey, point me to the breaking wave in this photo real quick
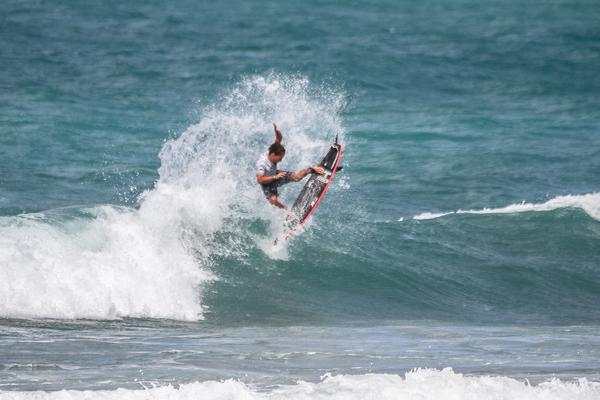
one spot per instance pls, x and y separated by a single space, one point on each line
421 384
590 203
106 262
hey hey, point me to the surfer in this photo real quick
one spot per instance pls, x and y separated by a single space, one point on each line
270 178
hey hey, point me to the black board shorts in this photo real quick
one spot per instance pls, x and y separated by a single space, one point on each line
270 189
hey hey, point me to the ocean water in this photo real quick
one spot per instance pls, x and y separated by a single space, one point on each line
457 255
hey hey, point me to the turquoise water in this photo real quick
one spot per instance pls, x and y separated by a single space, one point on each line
463 231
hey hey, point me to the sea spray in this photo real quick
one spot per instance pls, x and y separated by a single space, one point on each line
217 156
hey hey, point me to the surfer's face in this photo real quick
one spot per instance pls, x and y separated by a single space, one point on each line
275 158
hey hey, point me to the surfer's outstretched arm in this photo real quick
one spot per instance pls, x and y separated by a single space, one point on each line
278 135
267 179
296 176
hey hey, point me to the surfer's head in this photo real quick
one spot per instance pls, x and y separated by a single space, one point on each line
276 152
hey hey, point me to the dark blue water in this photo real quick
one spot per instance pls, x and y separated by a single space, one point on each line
129 212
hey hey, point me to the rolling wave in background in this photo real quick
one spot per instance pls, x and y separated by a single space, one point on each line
590 203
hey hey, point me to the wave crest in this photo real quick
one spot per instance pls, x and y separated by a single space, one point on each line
590 203
423 384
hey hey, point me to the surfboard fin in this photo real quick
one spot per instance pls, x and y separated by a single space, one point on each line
339 168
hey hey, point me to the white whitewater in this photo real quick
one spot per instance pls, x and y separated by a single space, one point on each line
590 203
421 384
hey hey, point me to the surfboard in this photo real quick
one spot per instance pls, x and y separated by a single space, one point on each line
315 188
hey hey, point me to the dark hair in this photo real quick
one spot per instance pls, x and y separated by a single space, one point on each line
277 149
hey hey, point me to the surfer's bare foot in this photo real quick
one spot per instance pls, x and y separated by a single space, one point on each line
318 170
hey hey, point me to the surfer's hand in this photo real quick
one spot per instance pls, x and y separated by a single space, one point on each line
280 175
278 135
317 170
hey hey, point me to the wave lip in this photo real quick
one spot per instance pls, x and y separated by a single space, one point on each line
590 203
422 384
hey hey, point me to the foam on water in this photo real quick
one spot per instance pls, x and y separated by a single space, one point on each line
420 384
116 263
109 262
590 203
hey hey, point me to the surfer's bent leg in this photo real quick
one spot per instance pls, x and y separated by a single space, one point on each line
271 193
273 200
269 190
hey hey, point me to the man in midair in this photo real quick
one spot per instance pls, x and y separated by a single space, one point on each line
270 178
